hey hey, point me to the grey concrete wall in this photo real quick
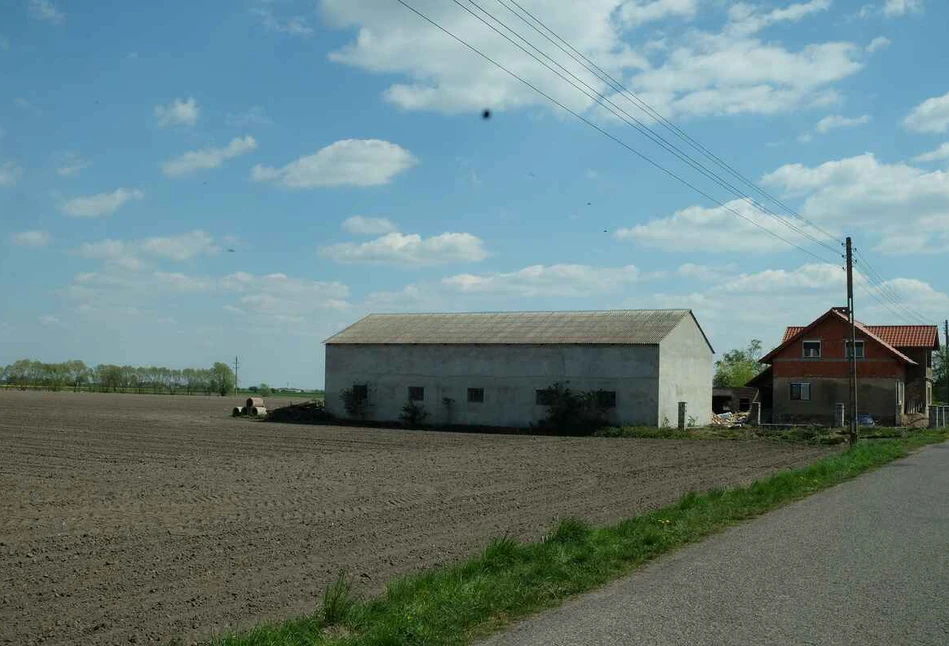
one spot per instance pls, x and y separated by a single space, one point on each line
509 375
686 368
877 397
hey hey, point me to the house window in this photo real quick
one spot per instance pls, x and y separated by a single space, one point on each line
361 392
801 392
812 349
416 393
859 348
606 398
744 404
544 397
476 395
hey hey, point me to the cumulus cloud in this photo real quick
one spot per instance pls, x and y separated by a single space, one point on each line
363 226
350 162
46 11
94 206
878 43
409 250
30 238
701 73
254 116
834 121
901 7
932 115
114 252
706 273
180 112
298 25
938 154
10 174
129 253
206 158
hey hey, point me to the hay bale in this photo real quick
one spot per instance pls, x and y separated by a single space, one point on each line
238 411
258 411
253 401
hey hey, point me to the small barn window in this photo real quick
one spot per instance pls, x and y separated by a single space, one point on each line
606 398
859 347
744 404
476 395
812 349
801 392
544 397
416 393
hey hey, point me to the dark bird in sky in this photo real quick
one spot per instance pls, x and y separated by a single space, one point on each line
486 114
589 203
230 250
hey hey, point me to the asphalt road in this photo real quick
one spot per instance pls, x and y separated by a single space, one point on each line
864 563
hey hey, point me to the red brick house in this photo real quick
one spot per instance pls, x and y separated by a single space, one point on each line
810 371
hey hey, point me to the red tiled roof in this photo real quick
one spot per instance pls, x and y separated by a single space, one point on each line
898 336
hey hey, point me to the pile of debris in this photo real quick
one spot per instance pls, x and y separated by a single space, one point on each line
311 412
253 407
729 419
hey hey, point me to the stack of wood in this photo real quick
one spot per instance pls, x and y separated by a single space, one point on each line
730 420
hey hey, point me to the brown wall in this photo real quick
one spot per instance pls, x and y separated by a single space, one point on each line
832 333
876 397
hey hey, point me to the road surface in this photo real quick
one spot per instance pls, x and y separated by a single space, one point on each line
864 563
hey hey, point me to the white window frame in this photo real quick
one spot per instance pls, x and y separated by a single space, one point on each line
805 387
859 343
820 348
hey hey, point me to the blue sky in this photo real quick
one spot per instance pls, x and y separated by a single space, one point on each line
183 182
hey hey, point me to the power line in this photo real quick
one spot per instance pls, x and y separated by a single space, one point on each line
632 121
888 292
602 131
645 107
868 288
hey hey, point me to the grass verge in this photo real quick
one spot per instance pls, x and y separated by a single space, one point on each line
454 604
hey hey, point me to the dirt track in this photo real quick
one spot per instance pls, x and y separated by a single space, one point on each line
137 519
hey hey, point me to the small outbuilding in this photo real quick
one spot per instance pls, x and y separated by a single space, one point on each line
495 369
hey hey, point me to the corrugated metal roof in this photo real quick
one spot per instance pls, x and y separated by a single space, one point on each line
898 336
630 327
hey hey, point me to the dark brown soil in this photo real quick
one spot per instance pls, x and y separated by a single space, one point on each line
138 519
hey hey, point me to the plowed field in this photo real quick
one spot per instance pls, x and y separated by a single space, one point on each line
139 519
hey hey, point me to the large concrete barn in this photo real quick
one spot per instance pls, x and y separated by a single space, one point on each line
493 369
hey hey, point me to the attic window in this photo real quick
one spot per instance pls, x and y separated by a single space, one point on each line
859 347
812 349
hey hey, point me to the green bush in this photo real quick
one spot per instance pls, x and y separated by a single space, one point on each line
413 414
573 412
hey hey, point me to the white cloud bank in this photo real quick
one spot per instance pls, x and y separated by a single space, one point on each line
94 206
180 112
207 158
409 250
350 162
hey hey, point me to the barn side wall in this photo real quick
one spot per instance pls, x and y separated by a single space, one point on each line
685 374
509 374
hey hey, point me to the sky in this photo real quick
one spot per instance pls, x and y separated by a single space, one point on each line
183 183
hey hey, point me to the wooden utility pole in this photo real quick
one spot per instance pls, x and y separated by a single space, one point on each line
853 345
236 380
946 359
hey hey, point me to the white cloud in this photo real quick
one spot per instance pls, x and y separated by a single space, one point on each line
206 158
350 162
293 25
114 252
637 12
934 155
94 206
697 73
30 238
46 10
128 253
50 321
10 174
807 277
363 226
180 112
906 207
182 247
932 115
706 273
902 7
70 164
878 43
834 121
253 116
410 249
546 280
715 230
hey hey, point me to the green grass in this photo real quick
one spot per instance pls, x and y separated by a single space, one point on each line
510 579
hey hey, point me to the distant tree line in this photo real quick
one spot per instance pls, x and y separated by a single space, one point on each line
76 375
